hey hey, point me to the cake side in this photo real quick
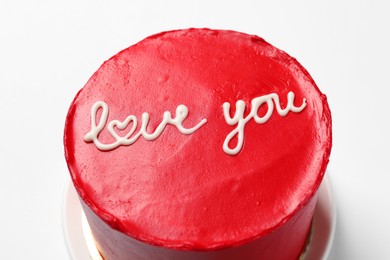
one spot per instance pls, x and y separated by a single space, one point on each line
279 244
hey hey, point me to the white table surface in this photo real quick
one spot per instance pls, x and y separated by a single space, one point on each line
49 49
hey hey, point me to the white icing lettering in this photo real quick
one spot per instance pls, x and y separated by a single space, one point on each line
130 137
239 119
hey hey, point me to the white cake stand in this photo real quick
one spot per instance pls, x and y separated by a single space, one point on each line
81 245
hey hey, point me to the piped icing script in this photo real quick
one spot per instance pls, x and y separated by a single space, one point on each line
239 120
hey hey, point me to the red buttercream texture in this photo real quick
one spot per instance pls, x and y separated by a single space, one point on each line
183 192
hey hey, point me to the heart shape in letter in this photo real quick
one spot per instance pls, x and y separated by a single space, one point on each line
122 125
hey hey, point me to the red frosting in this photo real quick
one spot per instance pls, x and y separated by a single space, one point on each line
183 191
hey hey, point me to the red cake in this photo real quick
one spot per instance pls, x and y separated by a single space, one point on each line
199 144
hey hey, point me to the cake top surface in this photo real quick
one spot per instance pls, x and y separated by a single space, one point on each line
198 139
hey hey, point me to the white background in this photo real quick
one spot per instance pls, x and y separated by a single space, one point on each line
49 49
